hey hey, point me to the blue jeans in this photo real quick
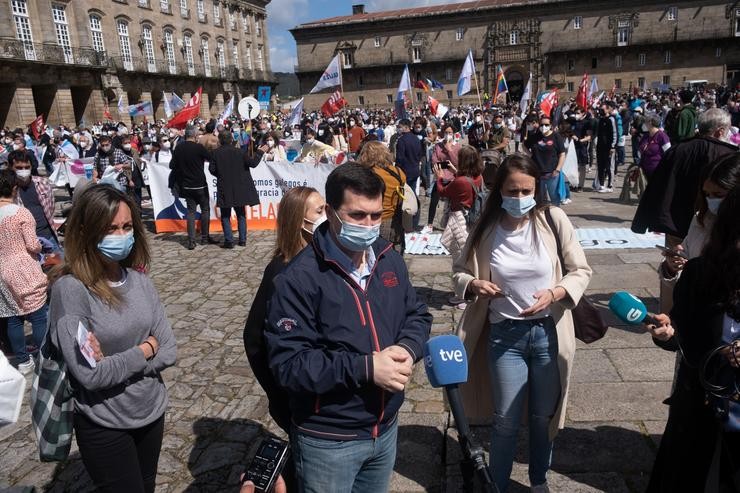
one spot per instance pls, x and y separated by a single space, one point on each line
241 222
620 157
549 186
523 363
356 466
17 336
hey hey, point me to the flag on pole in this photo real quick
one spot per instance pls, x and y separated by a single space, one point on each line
106 111
582 96
613 91
167 108
437 108
176 103
141 109
549 101
593 89
436 84
37 126
464 82
122 109
404 85
295 115
190 111
501 86
69 149
227 111
331 77
332 105
524 102
420 84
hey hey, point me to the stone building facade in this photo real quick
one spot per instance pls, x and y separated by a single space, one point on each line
623 44
68 59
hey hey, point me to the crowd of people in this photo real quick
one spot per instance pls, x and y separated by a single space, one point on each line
336 325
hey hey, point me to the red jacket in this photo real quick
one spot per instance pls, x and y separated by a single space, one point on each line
459 191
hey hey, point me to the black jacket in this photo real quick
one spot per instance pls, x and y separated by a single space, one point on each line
689 440
669 201
234 185
187 163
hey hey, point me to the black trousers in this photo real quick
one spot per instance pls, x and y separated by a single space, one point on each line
193 200
122 461
604 166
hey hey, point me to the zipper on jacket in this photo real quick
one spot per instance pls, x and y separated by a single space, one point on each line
377 348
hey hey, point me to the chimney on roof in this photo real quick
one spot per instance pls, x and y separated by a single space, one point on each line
358 9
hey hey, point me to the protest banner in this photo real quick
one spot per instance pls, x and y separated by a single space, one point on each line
69 171
272 180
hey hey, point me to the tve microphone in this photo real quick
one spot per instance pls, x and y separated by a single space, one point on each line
446 364
630 309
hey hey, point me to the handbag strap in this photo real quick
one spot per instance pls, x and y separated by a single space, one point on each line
556 233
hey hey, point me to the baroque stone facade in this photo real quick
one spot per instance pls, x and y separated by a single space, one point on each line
624 44
67 59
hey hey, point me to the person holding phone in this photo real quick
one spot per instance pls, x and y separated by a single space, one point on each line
444 156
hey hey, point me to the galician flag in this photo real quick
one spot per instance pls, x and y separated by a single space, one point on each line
227 111
405 84
167 108
524 103
466 76
141 109
69 149
121 107
593 89
331 77
295 115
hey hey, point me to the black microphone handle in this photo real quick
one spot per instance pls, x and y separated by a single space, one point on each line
458 413
650 320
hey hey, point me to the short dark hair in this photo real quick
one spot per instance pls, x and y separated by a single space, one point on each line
103 139
310 131
355 177
225 138
405 122
18 156
7 183
211 126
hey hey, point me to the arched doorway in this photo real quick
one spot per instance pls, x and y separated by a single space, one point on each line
515 81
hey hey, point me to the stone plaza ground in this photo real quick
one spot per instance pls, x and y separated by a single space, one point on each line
218 412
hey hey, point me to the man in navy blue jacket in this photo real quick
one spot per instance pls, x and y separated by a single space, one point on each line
344 329
409 151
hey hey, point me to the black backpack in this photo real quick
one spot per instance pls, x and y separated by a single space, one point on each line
479 201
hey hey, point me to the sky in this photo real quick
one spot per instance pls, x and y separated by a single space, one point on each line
286 14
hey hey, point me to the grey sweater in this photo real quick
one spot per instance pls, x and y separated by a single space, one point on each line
124 390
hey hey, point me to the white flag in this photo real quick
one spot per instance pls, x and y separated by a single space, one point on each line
227 111
405 84
121 107
524 103
331 77
295 115
167 108
466 76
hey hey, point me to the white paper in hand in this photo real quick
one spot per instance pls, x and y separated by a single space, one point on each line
85 346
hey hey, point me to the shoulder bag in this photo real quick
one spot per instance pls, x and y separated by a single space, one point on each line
587 322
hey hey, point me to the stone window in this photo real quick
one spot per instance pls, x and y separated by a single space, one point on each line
459 34
221 57
416 54
667 57
235 52
737 22
61 28
570 87
642 59
260 58
448 74
23 27
169 51
184 10
201 9
618 61
641 82
258 26
667 80
388 79
672 13
623 32
124 44
594 62
376 42
389 98
618 83
718 52
232 20
360 81
449 94
187 41
361 100
418 97
514 37
96 33
217 14
164 6
245 21
248 55
347 59
577 22
205 55
571 64
148 45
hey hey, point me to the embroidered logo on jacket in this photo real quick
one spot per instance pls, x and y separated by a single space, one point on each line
287 324
389 279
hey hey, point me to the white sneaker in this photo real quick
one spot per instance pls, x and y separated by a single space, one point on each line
27 367
428 229
603 189
540 488
609 189
566 202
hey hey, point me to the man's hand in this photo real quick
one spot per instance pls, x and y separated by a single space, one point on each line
664 330
401 355
391 370
674 263
249 487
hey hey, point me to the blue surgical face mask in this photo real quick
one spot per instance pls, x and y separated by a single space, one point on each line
713 204
518 206
355 237
117 247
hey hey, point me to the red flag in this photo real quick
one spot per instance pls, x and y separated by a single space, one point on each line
190 111
433 104
106 111
332 105
37 126
420 84
582 91
549 102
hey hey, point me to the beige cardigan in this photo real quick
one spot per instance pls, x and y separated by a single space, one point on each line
474 326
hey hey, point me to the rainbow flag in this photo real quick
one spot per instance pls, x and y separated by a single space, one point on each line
501 86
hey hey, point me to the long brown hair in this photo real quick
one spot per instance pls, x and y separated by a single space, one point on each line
469 161
492 211
88 223
291 211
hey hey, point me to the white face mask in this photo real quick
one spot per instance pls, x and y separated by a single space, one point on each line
16 147
478 119
309 141
126 147
270 143
315 224
449 137
23 174
545 128
166 145
83 145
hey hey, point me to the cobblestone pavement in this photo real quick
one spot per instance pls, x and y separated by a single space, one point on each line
218 412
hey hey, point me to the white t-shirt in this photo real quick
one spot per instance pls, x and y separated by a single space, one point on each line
520 268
